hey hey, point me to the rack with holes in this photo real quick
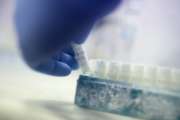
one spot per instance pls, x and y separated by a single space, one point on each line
140 91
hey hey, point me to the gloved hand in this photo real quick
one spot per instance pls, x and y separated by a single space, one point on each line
46 29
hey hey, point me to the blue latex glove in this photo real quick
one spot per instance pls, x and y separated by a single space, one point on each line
46 29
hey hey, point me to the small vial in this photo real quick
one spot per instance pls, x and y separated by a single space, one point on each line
176 80
100 69
137 74
113 70
164 78
125 71
176 75
81 57
150 76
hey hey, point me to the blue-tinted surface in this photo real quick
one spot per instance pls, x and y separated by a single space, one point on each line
123 99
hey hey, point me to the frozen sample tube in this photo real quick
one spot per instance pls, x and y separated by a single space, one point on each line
137 74
113 70
100 69
81 57
150 77
125 71
164 77
175 82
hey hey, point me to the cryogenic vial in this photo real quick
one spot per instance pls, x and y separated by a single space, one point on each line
137 74
150 76
125 71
